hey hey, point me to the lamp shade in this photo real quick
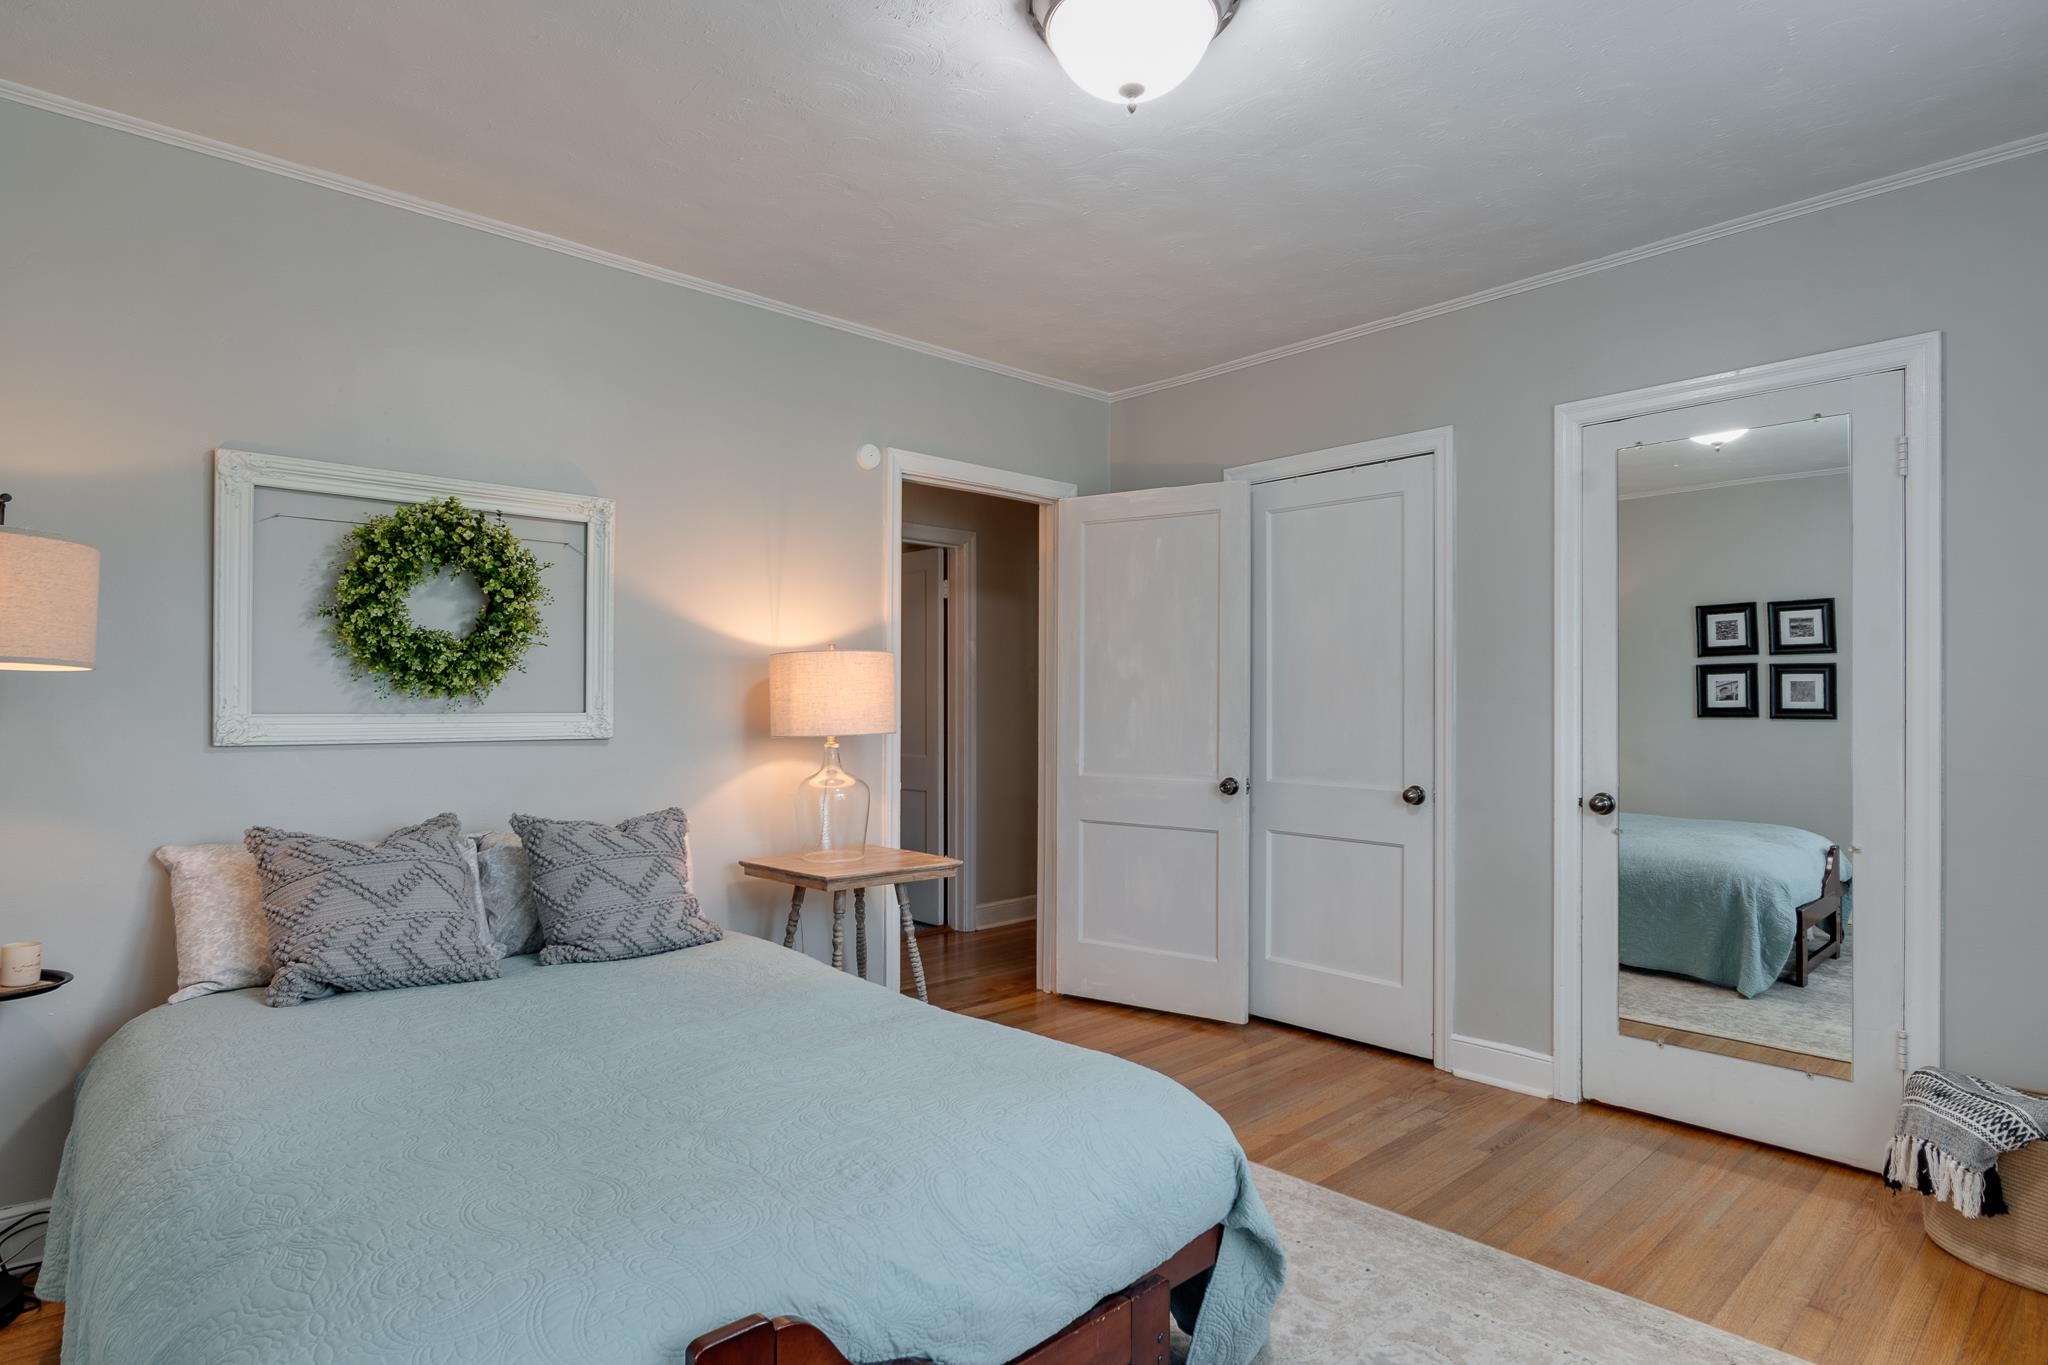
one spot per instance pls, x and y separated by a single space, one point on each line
818 692
49 602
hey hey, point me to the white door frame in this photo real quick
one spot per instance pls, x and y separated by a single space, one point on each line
1920 358
957 895
909 466
1438 442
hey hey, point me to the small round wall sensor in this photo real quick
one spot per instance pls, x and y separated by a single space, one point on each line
869 456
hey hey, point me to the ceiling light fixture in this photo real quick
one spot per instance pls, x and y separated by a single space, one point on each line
1130 52
1717 439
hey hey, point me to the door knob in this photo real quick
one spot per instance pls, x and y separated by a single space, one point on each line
1600 803
1415 796
1228 786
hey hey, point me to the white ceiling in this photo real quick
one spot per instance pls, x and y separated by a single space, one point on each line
1787 450
923 167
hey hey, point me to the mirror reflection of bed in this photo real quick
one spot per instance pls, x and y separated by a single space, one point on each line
1737 876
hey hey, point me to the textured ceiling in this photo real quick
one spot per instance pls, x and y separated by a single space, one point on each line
922 166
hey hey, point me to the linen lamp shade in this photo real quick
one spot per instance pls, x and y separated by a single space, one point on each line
49 602
818 692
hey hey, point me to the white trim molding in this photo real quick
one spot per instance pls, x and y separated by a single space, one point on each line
1440 442
995 914
1920 359
237 476
17 93
909 466
1503 1064
1989 156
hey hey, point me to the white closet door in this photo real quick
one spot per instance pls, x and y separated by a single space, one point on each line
1343 753
1154 639
923 711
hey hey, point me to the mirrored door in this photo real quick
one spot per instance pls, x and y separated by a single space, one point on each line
1744 753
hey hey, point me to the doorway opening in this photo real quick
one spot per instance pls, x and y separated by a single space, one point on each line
969 704
970 580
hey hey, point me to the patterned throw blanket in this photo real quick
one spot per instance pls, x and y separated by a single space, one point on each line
1951 1129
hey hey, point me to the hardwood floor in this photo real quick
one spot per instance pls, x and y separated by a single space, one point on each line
1736 1047
1818 1260
1813 1258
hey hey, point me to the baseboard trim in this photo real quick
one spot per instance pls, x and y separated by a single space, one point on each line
24 1248
995 914
1502 1064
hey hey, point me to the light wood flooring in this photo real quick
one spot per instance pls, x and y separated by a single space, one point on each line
1736 1047
1813 1258
1816 1259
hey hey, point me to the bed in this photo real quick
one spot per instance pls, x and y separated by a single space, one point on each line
633 1161
1730 902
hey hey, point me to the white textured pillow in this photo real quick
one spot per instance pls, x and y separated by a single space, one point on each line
217 903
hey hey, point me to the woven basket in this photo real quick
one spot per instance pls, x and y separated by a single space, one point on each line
2014 1246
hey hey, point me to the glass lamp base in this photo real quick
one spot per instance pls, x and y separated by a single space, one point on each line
832 812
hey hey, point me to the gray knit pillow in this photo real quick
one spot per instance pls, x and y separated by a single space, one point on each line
345 916
611 891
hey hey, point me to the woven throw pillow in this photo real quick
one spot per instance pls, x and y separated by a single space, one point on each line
217 909
606 892
345 916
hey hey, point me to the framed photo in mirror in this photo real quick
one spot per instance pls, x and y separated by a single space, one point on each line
1726 628
1725 690
1806 627
1802 691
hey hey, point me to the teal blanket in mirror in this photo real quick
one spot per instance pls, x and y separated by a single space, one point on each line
600 1162
1717 900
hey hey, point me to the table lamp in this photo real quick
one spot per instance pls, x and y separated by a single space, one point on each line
49 623
49 600
829 693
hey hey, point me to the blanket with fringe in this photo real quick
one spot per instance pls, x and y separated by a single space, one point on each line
1950 1133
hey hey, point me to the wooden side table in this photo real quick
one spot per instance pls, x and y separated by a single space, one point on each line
897 867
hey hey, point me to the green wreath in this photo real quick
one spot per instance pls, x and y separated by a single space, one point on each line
386 557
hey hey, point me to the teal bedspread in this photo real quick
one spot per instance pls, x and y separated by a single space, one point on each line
599 1162
1716 900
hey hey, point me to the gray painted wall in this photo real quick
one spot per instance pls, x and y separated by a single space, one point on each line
1005 679
155 303
1748 543
1962 256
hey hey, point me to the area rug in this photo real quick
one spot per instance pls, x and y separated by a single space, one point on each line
1814 1019
1370 1287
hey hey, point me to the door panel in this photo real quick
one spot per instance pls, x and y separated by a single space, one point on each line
1809 1067
1344 692
1153 637
923 719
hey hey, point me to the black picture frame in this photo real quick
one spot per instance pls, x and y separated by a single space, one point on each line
1709 678
1824 673
1821 607
1708 622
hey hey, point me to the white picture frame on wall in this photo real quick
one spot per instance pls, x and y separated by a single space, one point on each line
239 474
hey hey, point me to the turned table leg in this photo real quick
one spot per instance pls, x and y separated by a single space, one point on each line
838 931
796 912
860 931
910 941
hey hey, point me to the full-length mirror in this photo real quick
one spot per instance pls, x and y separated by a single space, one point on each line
1734 685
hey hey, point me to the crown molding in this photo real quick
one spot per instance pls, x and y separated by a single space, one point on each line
1990 156
226 151
107 118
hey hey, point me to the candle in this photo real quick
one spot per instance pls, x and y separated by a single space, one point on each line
21 964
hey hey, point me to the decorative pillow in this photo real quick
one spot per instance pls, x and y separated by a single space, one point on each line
345 916
610 891
217 906
511 922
